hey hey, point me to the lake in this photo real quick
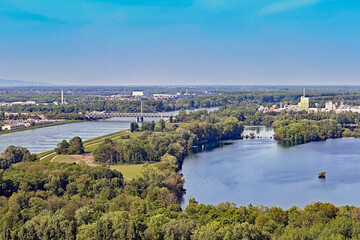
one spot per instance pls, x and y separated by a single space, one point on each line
260 171
43 139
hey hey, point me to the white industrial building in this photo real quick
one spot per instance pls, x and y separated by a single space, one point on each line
141 94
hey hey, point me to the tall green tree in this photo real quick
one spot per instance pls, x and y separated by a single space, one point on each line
76 146
62 147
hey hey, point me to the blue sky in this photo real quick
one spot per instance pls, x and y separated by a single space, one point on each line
181 42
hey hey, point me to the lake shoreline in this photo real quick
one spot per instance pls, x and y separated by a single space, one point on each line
262 172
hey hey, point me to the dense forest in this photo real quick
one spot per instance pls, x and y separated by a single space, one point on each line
303 131
47 200
176 140
44 200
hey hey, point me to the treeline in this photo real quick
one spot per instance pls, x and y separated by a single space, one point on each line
73 109
148 126
13 154
345 118
303 131
315 221
249 114
175 140
91 100
96 103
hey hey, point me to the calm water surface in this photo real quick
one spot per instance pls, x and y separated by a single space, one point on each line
43 139
259 171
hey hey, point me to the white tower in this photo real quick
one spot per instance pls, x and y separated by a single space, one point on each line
62 96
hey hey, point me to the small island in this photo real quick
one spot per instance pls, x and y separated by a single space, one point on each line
322 175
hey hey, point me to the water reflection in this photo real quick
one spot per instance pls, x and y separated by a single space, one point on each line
209 147
259 171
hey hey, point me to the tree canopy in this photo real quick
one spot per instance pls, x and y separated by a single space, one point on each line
75 146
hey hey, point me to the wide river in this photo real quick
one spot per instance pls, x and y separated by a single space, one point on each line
259 171
43 139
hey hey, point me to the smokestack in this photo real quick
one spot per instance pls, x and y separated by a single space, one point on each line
62 96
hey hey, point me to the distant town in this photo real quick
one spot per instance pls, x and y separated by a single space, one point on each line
46 106
18 120
304 105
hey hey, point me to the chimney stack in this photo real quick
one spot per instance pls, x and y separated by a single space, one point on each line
62 96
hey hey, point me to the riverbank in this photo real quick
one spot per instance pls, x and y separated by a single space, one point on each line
90 144
150 146
42 139
39 126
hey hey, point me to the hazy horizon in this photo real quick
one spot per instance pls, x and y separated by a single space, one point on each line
49 85
188 42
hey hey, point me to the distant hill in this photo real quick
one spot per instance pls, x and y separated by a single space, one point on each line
20 83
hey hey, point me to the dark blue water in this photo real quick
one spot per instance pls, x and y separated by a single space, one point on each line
259 171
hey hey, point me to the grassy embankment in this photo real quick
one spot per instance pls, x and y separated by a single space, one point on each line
129 171
39 126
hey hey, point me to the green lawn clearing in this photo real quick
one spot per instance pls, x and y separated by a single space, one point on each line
65 159
129 171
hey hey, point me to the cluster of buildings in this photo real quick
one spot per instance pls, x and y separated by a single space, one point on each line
23 120
23 123
304 105
158 96
339 108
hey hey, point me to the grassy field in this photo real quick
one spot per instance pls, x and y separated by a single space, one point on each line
65 159
129 171
92 144
39 126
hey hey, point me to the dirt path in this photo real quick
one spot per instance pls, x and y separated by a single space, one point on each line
85 159
48 155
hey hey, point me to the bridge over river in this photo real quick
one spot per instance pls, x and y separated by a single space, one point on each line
138 116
